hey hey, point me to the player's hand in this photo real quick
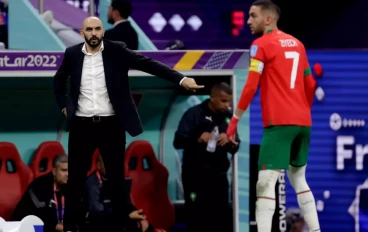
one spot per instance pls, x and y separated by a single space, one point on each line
59 227
222 139
64 112
137 215
190 84
205 137
231 130
233 141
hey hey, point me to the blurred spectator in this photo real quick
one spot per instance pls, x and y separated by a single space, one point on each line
118 14
204 169
82 3
44 197
175 45
295 221
65 33
3 22
98 199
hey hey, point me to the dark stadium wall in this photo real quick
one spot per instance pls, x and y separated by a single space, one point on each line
326 24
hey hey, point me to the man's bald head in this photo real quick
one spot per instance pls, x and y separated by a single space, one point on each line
92 32
92 21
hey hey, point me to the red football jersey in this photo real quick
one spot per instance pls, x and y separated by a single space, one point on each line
282 61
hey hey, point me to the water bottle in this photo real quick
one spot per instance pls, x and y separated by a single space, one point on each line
212 143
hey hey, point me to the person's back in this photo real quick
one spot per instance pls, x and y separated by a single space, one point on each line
123 32
278 63
118 14
282 80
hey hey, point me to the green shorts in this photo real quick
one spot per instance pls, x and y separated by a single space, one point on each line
283 146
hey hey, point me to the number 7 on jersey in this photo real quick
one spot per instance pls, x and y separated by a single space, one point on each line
294 70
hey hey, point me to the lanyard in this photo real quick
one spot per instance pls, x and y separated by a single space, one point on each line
99 176
60 215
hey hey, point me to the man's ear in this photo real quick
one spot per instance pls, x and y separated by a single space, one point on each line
269 20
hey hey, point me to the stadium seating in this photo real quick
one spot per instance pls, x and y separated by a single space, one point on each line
42 160
15 177
149 185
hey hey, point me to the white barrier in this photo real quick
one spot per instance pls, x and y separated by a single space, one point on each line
28 224
2 223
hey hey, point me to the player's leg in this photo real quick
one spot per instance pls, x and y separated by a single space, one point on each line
296 175
273 157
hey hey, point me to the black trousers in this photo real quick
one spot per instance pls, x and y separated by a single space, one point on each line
206 195
108 135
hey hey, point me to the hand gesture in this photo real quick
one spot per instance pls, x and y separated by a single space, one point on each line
190 84
137 215
232 140
64 112
222 139
205 137
231 130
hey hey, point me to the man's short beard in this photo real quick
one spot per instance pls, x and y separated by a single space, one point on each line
258 34
88 41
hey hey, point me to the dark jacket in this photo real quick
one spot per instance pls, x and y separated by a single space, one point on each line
38 201
99 211
195 121
117 60
123 32
95 195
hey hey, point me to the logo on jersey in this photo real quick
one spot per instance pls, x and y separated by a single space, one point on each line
253 50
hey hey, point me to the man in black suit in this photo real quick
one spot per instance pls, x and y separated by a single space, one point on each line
99 109
119 12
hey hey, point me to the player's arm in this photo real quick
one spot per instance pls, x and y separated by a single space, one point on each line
310 83
250 88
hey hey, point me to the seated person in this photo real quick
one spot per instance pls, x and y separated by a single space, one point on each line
44 197
295 220
97 201
66 34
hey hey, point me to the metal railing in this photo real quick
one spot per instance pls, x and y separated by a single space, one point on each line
41 6
91 7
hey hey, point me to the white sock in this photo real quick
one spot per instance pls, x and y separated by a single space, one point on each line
265 208
305 197
266 204
308 207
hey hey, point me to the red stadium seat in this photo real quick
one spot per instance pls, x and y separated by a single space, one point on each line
15 177
42 160
94 162
149 184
